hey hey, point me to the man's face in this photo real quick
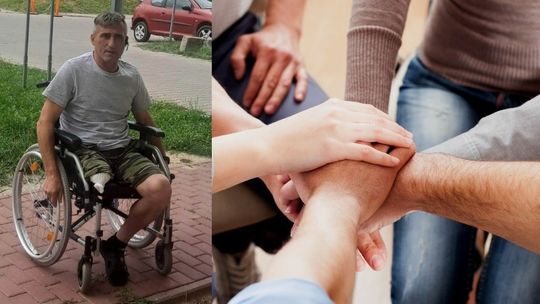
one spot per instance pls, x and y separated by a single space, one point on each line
109 43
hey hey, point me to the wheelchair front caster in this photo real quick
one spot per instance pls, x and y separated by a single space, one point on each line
84 273
163 257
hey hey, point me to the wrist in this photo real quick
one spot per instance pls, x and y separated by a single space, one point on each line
337 208
293 31
410 185
261 141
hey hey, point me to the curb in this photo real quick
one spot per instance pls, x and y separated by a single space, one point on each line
185 292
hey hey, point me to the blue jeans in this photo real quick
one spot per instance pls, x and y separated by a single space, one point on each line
435 258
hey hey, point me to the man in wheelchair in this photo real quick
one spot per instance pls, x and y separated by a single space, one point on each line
91 97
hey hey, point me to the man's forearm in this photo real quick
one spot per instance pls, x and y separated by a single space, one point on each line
45 136
323 247
499 197
288 13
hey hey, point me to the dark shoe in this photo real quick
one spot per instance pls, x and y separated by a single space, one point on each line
115 264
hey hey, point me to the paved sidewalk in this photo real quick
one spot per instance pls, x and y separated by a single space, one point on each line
21 281
175 78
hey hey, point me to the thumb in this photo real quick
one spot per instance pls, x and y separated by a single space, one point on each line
288 191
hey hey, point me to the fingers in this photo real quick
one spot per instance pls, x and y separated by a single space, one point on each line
239 54
301 84
368 154
270 83
293 210
372 248
283 178
381 147
360 263
376 134
53 198
281 90
258 75
404 154
379 121
359 107
288 191
362 113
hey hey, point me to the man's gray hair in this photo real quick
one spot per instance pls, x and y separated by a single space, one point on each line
110 19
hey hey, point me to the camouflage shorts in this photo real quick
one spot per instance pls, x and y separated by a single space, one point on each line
125 164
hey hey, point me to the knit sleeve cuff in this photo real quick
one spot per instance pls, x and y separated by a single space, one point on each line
371 58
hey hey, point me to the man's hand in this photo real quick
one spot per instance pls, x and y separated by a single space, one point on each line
399 202
278 62
52 188
368 184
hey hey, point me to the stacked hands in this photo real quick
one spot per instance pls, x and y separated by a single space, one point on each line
373 148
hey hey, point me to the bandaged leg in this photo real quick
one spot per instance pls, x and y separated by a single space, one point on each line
99 180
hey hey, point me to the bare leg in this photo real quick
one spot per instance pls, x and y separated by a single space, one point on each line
156 195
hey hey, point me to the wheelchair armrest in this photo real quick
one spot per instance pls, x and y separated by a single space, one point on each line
71 141
146 130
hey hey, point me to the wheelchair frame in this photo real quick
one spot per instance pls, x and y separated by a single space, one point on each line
88 199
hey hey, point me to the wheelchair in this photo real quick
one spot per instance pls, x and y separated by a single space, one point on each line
44 229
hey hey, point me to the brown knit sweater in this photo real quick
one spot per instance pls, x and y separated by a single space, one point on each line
487 44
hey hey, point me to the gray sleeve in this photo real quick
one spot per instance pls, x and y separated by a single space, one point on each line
511 135
62 87
141 101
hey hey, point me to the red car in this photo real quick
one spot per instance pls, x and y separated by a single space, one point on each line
192 17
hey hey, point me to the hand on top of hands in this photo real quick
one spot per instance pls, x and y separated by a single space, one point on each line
332 131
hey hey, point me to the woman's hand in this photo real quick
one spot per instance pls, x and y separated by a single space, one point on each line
333 131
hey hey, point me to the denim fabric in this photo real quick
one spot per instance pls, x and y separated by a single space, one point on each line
435 258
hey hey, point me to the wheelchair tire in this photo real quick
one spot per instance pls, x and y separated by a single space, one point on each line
142 238
163 256
43 229
84 275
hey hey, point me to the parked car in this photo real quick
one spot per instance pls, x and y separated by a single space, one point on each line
153 17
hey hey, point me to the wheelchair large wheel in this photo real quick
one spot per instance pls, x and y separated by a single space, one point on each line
142 238
42 227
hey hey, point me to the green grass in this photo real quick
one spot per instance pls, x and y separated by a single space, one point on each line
69 6
186 130
126 296
173 47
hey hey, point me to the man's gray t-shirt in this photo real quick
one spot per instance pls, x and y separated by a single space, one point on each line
96 103
507 135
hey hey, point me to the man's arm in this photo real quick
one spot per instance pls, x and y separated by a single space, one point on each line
510 135
144 117
278 62
45 136
499 197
